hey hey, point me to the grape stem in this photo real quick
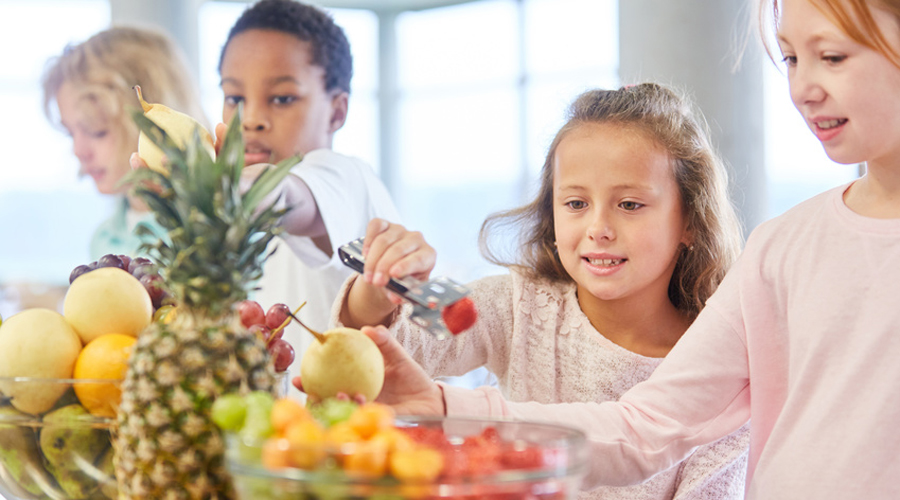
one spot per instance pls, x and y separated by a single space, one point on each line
286 322
318 335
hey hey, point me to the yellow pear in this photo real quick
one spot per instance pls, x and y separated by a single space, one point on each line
36 343
342 360
107 300
179 126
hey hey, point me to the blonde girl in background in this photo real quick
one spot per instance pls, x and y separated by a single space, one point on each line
803 335
629 234
88 92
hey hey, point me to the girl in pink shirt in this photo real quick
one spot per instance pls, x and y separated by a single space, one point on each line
803 335
630 232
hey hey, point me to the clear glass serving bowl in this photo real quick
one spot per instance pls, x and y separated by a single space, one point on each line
563 463
51 447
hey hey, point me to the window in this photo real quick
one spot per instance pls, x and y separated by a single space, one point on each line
478 111
359 135
47 214
797 167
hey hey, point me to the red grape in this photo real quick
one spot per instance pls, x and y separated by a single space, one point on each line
153 283
136 263
110 260
126 261
145 270
251 313
276 334
277 315
282 354
262 332
78 271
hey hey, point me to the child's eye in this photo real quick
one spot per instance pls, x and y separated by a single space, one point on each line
834 59
576 204
233 100
630 205
282 100
99 134
789 60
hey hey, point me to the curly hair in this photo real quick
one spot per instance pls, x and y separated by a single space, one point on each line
106 67
666 118
329 47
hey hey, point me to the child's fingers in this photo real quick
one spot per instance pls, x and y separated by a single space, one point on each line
220 130
397 253
136 162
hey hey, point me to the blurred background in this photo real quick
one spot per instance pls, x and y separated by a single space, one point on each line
453 102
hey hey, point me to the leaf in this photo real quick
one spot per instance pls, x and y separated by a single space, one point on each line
265 183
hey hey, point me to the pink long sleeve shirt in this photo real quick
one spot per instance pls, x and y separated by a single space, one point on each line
534 337
802 337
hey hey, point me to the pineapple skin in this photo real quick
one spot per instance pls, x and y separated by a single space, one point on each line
167 446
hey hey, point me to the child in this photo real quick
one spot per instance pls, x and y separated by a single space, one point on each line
802 335
290 67
630 232
90 85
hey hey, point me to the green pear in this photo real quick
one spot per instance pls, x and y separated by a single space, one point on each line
20 457
72 444
108 487
179 126
36 343
342 360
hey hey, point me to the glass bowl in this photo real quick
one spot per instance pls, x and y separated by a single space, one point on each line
556 459
51 446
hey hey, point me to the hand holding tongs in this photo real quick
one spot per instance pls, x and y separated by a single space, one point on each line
429 298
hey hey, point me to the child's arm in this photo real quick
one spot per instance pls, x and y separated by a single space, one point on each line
391 251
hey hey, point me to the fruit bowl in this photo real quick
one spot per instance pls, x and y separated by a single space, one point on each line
524 460
55 448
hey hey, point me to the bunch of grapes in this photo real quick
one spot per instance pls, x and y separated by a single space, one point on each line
269 326
140 267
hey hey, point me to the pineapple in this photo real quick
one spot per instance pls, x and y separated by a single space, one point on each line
167 445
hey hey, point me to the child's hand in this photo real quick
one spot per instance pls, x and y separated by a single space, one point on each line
220 130
407 388
136 162
392 251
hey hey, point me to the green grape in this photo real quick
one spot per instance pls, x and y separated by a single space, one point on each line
259 402
228 412
332 410
258 422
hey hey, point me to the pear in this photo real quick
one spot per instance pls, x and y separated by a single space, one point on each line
37 343
342 360
107 300
20 457
179 126
72 445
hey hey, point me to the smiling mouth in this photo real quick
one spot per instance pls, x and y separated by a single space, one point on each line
828 124
605 262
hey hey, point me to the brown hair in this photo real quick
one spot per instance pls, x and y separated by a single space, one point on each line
666 118
107 65
853 17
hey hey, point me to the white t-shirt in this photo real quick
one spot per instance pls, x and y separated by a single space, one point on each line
348 194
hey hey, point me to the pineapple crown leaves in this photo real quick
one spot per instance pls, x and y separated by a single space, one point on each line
216 236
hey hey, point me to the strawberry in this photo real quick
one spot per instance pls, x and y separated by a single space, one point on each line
460 315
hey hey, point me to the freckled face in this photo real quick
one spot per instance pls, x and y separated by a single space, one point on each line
617 212
286 107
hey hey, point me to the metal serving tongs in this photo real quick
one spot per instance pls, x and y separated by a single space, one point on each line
428 298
